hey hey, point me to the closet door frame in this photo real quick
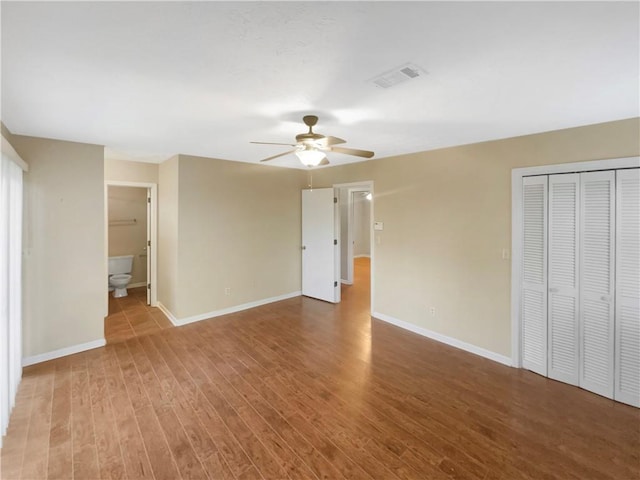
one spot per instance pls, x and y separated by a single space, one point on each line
517 174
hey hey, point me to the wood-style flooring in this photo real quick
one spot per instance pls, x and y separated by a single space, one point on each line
303 389
131 317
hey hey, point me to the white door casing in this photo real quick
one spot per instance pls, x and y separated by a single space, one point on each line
319 245
148 247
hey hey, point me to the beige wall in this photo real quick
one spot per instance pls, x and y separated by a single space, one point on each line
63 241
125 171
168 233
6 133
361 225
227 224
127 210
239 228
447 217
343 200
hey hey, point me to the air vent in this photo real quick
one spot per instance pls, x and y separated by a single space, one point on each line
398 75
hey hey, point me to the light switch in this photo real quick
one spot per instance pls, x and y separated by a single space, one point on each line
378 226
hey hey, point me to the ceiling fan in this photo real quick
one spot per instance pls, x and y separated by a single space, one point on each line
310 147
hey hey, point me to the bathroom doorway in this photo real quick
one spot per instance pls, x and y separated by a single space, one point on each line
131 230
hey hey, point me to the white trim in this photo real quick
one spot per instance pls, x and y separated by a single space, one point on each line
168 313
63 352
517 175
136 285
453 342
224 311
345 282
153 222
10 152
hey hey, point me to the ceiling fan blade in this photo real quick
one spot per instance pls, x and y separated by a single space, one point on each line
279 155
271 143
328 141
353 151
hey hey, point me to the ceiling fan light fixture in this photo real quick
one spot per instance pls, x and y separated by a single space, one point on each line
310 156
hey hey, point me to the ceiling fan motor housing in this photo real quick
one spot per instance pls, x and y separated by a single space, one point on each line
308 137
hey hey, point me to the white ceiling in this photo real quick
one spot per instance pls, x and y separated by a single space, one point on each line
205 78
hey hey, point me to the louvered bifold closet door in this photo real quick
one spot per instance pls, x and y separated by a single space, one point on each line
597 252
627 317
563 277
534 274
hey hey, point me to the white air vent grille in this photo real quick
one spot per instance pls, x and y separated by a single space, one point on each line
398 75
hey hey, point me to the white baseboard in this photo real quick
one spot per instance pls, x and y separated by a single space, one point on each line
136 285
454 342
63 352
362 256
346 282
167 313
224 311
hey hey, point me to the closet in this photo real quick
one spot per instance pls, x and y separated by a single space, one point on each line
580 280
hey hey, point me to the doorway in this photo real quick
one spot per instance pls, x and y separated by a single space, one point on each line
131 229
356 238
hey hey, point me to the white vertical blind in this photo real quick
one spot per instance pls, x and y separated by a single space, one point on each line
597 249
627 317
563 278
534 274
10 281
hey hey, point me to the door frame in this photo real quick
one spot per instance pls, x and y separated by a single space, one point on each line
152 253
365 185
517 174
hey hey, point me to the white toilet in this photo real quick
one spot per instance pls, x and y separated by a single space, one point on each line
119 274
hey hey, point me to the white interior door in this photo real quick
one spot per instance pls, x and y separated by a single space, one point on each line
534 274
563 334
149 246
319 245
627 316
596 284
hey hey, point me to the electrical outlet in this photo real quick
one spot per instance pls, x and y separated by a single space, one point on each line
432 311
227 291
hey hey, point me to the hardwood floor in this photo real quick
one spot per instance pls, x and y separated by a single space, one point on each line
131 317
303 389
